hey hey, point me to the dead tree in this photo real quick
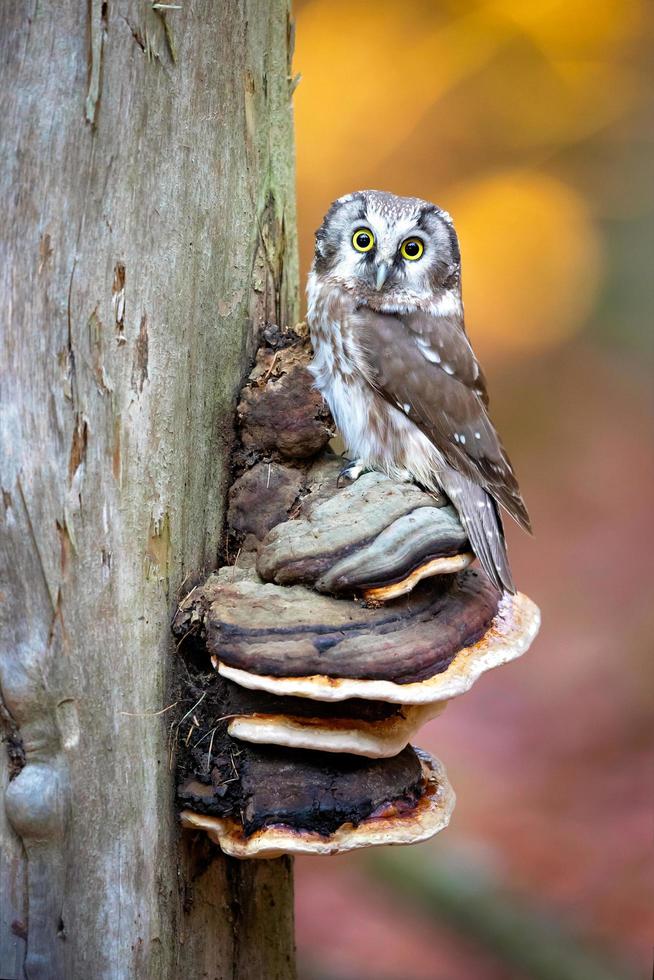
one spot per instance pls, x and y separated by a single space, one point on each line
148 233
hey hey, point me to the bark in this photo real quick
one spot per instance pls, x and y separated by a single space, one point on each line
148 234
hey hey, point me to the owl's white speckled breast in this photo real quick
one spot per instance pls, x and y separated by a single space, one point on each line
375 432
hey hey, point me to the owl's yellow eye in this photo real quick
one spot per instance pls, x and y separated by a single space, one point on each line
412 249
363 239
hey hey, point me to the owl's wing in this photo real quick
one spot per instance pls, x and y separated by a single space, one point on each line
425 367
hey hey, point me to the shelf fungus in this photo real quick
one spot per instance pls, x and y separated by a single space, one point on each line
307 803
376 539
341 621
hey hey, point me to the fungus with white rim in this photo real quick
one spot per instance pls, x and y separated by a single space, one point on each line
391 822
289 631
376 729
508 636
379 739
375 538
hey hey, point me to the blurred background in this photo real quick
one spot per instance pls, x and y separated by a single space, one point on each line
530 121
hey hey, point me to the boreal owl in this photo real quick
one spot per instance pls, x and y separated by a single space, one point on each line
394 363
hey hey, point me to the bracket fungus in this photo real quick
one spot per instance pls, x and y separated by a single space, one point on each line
347 732
346 619
375 538
307 803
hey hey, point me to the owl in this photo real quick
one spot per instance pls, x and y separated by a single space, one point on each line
394 363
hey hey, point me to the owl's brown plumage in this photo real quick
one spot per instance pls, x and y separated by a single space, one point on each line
396 367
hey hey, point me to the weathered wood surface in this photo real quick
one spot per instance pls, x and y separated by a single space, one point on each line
147 232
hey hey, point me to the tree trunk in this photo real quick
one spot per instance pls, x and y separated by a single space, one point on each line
148 218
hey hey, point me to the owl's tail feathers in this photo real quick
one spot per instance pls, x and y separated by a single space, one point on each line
480 517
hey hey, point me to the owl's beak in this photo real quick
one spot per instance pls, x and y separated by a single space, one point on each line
382 274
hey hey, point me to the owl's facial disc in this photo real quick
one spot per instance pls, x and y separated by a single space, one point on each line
377 244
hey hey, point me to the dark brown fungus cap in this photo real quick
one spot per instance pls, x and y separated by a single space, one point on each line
507 636
289 631
425 647
261 498
302 804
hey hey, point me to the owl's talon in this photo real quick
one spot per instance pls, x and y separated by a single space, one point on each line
350 473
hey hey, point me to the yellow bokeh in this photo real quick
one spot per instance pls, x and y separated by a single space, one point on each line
567 28
485 107
531 260
370 71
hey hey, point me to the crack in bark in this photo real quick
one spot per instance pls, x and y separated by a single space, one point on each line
35 544
13 740
140 362
98 16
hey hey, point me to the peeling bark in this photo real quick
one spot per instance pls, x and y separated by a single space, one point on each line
148 236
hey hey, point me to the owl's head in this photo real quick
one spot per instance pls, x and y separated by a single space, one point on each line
389 250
